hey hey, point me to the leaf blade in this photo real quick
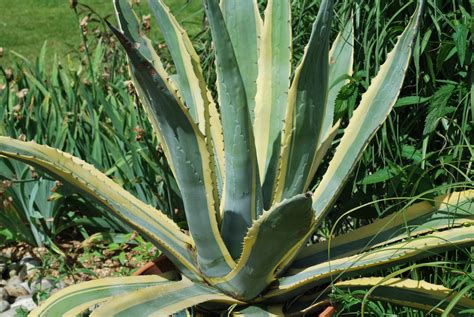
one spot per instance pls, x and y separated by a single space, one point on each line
306 108
244 32
273 81
89 181
271 240
449 211
79 297
241 202
161 300
383 90
189 154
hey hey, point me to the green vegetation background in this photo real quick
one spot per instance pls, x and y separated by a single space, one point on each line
26 24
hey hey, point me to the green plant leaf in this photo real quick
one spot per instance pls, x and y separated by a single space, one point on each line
448 211
75 299
381 175
300 280
306 109
190 157
83 178
260 310
244 31
460 36
161 300
341 60
438 108
273 83
185 60
272 239
372 111
408 293
241 201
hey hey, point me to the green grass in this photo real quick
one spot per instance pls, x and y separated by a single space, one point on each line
26 24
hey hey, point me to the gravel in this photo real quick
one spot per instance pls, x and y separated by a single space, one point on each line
18 285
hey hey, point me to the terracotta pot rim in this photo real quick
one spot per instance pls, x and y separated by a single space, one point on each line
160 265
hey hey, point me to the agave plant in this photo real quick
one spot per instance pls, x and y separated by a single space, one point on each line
244 163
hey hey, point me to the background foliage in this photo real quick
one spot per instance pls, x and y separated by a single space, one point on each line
83 105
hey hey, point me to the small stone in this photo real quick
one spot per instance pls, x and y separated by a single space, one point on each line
3 293
16 290
4 306
54 291
26 286
42 285
12 273
14 279
9 313
24 301
29 266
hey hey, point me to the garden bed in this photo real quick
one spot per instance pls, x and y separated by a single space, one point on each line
32 274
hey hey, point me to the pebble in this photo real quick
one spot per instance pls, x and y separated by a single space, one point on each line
9 313
3 293
29 266
20 284
25 301
42 285
14 279
4 306
16 290
13 287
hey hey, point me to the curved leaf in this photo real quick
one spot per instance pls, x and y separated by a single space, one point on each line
87 180
407 292
300 280
161 300
448 211
191 159
372 111
272 239
306 108
241 201
75 299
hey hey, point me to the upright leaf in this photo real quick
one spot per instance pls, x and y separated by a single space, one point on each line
341 60
191 83
191 160
184 58
372 111
241 201
274 68
306 109
272 239
129 25
244 24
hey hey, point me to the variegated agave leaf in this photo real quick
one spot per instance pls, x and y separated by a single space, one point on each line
244 163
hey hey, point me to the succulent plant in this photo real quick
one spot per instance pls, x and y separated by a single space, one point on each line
244 163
